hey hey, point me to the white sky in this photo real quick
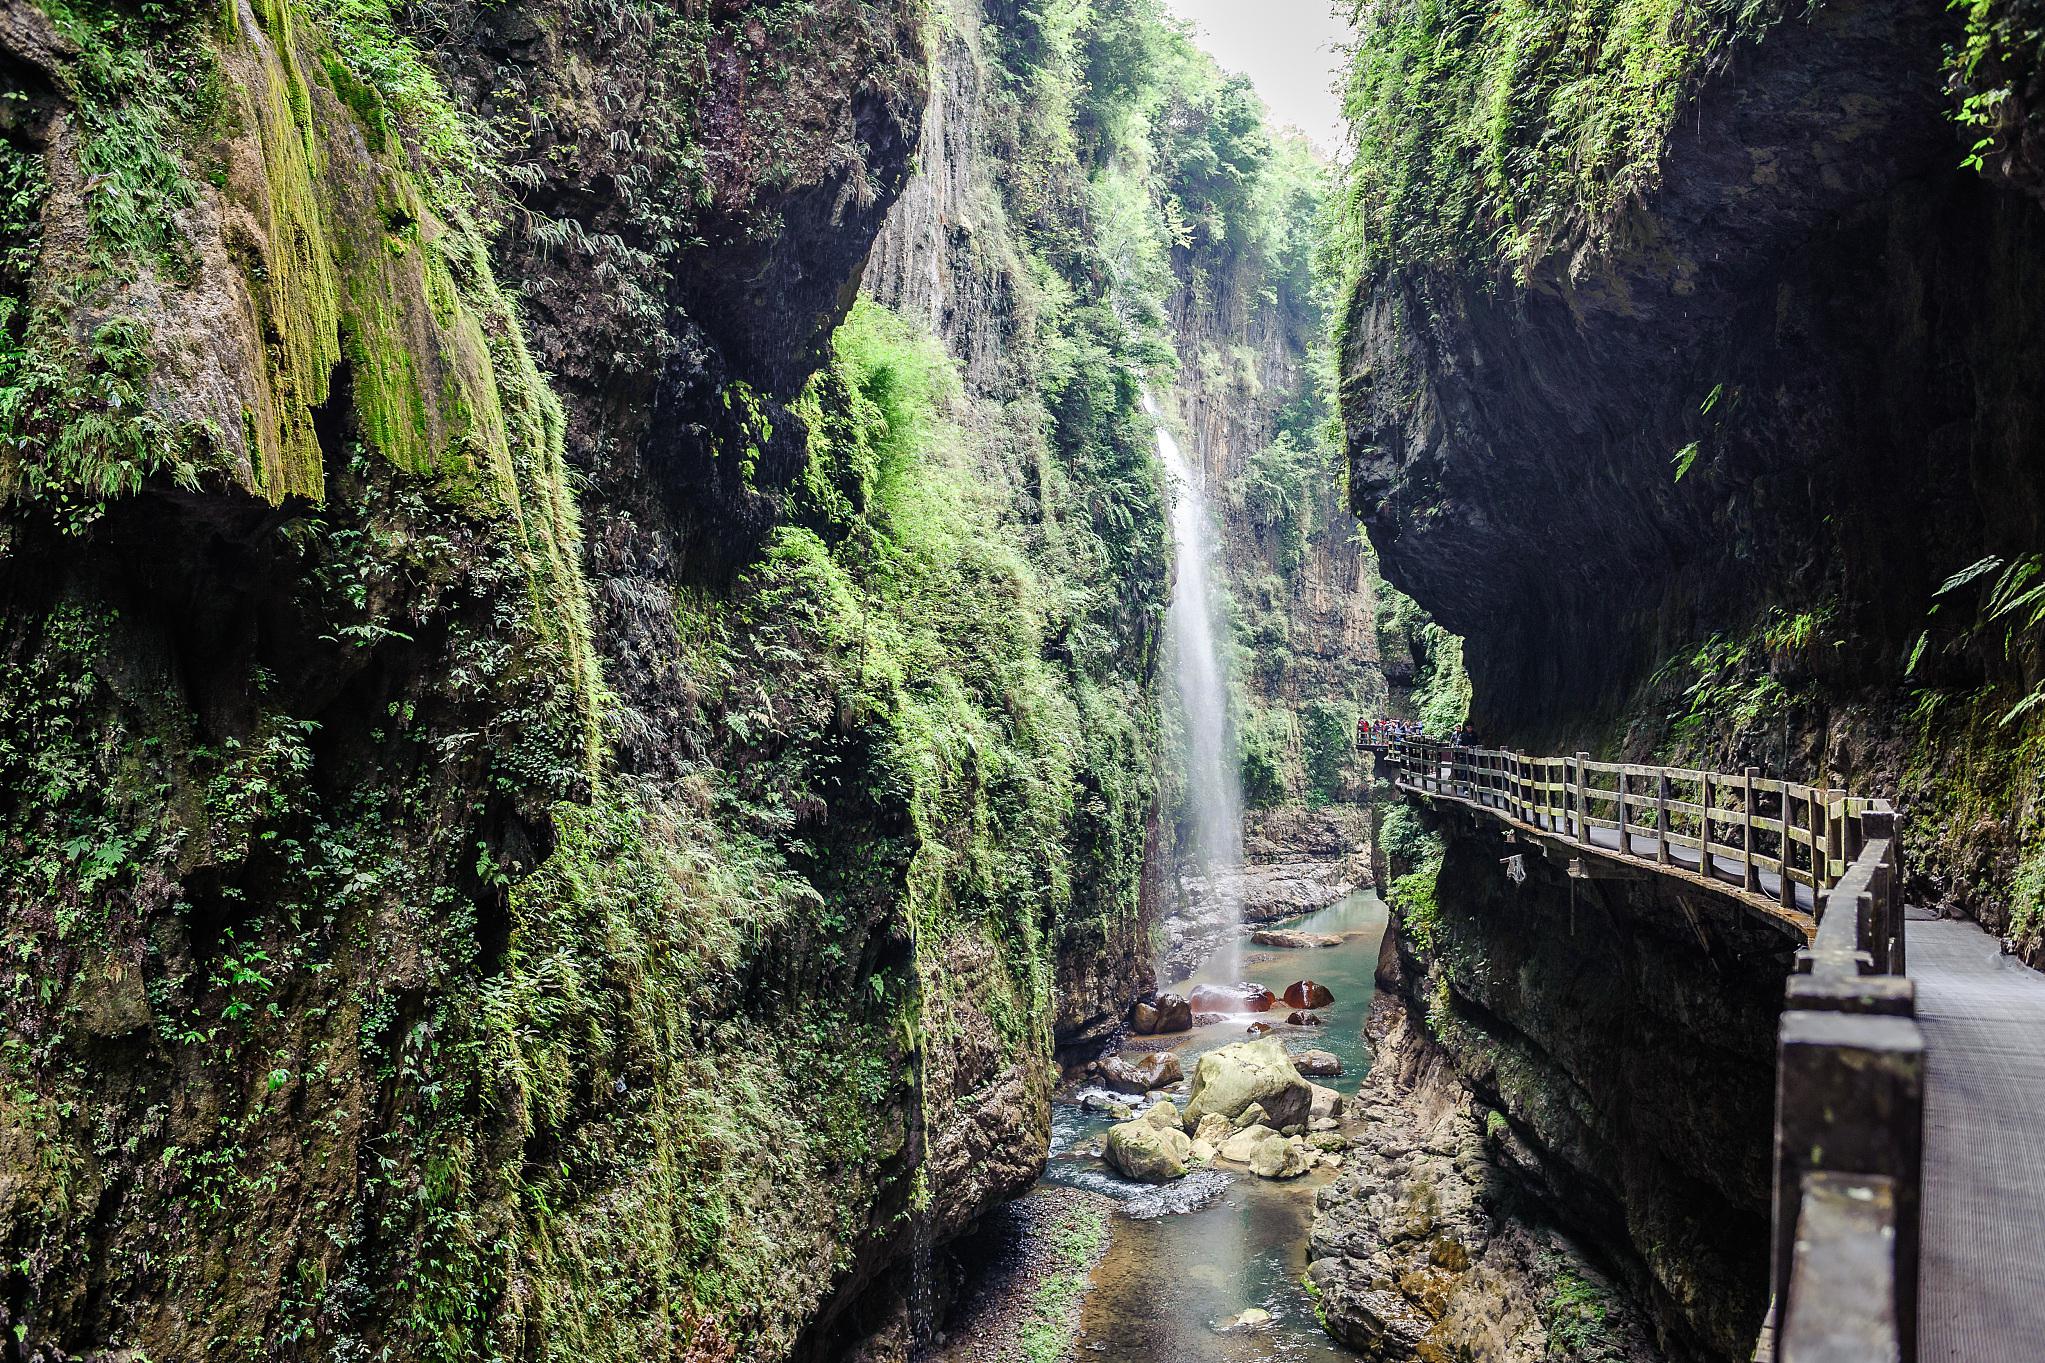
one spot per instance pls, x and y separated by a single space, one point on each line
1287 48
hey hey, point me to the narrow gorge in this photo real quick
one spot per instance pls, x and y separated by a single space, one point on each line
889 680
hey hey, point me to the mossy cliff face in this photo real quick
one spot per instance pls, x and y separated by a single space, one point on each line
1681 409
1018 297
1615 1040
544 787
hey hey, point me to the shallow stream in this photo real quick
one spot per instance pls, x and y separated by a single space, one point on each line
1184 1260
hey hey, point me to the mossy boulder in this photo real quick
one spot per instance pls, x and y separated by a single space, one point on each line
1280 1157
1230 1079
1243 1145
1152 1148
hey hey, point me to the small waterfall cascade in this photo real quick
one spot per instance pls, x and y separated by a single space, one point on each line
1200 677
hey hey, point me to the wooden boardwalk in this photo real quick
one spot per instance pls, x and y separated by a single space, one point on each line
1981 1294
1911 1107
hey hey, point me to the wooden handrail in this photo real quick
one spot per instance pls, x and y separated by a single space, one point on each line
1849 1109
1768 838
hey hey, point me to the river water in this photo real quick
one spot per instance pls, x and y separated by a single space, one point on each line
1184 1260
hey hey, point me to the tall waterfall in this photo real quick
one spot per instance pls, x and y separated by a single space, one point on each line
1213 783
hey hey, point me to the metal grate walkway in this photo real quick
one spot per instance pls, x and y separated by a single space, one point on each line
1981 1294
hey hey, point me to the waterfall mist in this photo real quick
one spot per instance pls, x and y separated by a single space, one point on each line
1192 627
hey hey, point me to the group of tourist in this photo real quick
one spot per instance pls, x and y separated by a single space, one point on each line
1372 731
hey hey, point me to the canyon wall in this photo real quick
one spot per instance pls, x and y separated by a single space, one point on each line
1688 432
563 776
1689 374
1573 1079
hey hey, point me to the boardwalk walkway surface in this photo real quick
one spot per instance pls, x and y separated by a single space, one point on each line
1981 1295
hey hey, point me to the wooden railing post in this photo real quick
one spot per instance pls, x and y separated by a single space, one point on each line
1835 838
1849 1102
1885 934
1661 817
1821 844
1898 957
1583 797
1750 875
1787 890
1705 801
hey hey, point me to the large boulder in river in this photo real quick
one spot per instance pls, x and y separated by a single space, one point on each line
1280 1158
1231 1078
1318 1064
1241 1145
1294 939
1143 1019
1151 1149
1308 994
1174 1013
1232 998
1159 1069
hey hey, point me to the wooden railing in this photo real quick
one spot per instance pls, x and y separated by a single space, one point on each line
1849 1111
1849 1124
1767 838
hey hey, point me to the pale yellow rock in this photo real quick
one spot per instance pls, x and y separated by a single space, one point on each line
1149 1151
1238 1148
1280 1158
1232 1078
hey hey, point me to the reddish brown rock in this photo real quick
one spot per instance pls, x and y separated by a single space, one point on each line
1232 998
1308 994
1174 1014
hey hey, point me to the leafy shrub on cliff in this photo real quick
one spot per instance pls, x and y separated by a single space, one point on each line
2027 902
1278 491
1441 687
1413 856
1440 683
1328 741
1265 737
1999 76
1486 134
1578 1314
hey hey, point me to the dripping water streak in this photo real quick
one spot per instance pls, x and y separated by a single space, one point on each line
1213 787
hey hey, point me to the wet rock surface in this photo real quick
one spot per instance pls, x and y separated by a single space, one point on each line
1293 940
1231 998
1308 994
1229 1080
1152 1148
1423 1247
